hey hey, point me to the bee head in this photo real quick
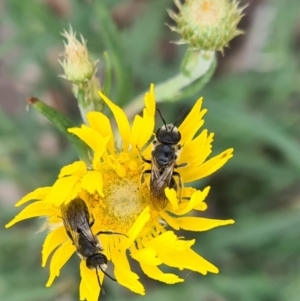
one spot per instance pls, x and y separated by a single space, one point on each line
97 260
168 134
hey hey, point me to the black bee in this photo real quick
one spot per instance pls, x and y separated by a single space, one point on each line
76 219
164 154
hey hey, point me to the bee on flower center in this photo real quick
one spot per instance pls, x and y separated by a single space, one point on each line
78 223
165 152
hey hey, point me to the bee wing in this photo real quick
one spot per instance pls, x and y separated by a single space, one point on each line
155 173
76 217
69 224
163 180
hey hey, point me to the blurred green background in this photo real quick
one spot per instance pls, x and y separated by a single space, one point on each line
254 106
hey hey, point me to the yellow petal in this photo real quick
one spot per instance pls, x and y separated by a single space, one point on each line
58 260
155 273
136 130
169 220
150 102
133 165
168 242
52 241
90 136
101 124
76 168
130 280
107 242
37 194
85 293
141 132
201 224
187 192
99 152
136 228
142 129
163 240
171 194
186 172
192 122
196 151
194 155
209 166
121 171
35 209
63 191
196 261
190 260
116 166
146 256
197 198
201 207
92 182
123 273
118 256
121 119
89 286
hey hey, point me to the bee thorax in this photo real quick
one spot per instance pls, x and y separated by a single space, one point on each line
164 154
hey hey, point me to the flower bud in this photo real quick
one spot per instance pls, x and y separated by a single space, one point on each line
207 24
77 65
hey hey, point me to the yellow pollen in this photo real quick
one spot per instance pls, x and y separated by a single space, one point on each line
123 200
124 196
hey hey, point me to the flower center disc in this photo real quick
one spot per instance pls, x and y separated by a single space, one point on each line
124 199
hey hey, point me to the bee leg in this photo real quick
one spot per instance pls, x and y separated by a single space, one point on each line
177 174
180 165
148 171
143 158
92 223
110 233
110 277
98 279
70 236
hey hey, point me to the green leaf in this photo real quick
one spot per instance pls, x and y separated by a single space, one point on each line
62 123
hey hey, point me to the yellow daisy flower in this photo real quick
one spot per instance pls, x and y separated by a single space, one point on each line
119 202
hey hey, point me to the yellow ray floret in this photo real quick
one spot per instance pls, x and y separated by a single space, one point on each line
100 123
52 241
121 119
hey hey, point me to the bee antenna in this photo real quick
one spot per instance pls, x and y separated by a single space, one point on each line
110 277
179 118
101 289
163 120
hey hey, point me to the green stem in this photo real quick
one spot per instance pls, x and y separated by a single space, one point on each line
85 104
195 66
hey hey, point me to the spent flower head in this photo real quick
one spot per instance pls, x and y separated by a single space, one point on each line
120 202
207 24
77 65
